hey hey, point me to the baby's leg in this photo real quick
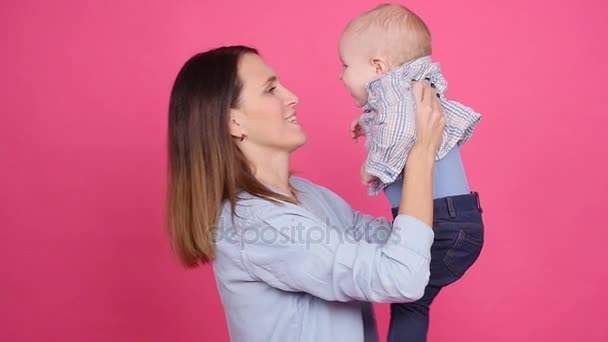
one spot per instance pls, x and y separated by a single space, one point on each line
458 229
410 322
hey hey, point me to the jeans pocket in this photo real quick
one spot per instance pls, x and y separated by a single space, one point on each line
463 254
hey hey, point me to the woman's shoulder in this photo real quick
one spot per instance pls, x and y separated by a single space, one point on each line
300 183
305 185
250 210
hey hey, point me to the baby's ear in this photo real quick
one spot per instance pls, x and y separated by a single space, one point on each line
380 65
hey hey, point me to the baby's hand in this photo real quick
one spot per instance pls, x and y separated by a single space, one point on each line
356 130
367 179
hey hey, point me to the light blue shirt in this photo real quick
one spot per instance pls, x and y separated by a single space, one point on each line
305 272
449 179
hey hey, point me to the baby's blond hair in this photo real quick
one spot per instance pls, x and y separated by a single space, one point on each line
396 31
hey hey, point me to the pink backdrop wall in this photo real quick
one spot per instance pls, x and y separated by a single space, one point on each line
84 89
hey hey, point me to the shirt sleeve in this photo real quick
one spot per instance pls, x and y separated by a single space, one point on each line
290 249
395 135
362 226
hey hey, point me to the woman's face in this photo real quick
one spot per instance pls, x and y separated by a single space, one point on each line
266 112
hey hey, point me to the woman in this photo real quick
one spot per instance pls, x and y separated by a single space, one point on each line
292 260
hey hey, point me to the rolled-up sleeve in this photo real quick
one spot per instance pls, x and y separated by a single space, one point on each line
292 250
363 227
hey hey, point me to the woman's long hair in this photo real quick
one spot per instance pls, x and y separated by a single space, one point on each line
206 167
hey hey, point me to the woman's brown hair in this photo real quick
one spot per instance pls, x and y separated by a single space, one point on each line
206 167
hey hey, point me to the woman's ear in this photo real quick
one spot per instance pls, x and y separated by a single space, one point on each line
237 123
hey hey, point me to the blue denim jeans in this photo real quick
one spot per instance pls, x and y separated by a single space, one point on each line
459 235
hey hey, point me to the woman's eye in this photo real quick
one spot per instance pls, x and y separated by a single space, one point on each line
271 89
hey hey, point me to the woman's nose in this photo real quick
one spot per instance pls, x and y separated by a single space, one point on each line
292 99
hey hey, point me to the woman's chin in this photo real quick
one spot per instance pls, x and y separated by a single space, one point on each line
298 142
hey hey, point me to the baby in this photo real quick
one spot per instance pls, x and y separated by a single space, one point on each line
382 52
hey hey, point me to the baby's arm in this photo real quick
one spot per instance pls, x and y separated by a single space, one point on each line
356 130
366 178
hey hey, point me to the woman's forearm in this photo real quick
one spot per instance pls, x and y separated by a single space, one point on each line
417 194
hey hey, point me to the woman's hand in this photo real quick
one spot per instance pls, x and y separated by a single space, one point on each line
430 119
417 194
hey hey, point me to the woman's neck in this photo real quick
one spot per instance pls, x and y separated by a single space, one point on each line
272 169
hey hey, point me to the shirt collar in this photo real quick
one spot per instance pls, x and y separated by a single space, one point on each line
414 70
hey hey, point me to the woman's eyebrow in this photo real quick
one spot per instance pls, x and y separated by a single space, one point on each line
270 80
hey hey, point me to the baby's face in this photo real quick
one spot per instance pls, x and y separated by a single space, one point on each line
358 68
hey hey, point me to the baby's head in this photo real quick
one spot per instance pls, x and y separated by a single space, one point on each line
376 42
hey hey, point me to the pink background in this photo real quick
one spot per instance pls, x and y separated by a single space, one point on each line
84 89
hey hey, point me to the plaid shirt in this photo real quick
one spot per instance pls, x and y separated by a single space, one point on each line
389 120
